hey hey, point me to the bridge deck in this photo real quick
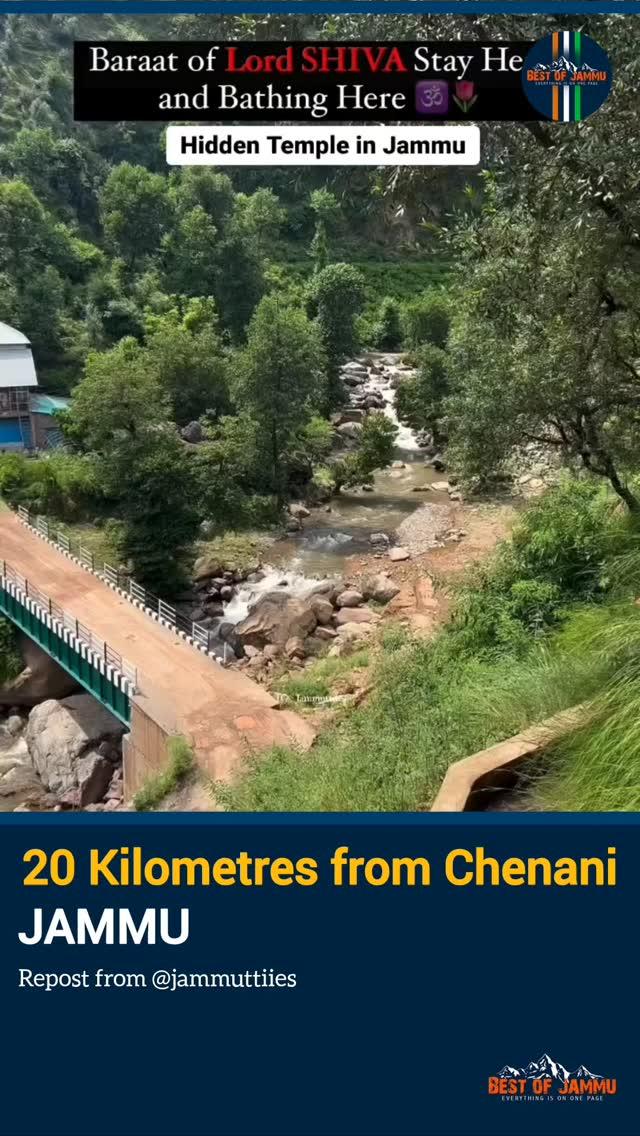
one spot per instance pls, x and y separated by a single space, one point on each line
222 712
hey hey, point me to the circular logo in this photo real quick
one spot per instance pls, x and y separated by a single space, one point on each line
566 76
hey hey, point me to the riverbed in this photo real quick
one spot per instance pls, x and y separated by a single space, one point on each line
342 529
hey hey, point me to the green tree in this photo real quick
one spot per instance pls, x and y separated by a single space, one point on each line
387 332
543 346
158 509
426 320
136 211
185 353
326 208
336 296
61 172
375 451
280 377
118 401
420 399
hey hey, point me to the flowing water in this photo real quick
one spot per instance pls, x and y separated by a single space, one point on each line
329 537
342 529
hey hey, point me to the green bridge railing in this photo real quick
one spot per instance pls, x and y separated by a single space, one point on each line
91 661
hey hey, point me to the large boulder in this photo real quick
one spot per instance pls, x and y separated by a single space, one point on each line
193 433
63 738
349 598
276 618
380 588
41 678
350 431
322 609
205 567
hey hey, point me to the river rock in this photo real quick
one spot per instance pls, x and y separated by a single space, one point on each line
193 433
398 553
380 588
349 598
350 430
14 725
94 775
352 632
292 524
276 618
322 608
438 463
294 647
354 369
359 615
379 538
205 567
41 678
297 509
440 486
325 634
60 734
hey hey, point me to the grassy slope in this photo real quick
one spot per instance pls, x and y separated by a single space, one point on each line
431 707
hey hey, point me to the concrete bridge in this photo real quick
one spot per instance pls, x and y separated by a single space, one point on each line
151 679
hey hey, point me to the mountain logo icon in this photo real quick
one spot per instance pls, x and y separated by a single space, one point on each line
566 76
548 1077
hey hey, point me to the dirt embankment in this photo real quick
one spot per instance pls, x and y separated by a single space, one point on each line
483 525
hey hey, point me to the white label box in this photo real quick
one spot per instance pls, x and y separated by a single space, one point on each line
301 145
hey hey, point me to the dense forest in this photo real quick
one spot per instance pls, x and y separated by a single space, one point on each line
162 299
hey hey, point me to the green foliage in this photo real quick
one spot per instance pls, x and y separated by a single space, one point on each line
543 344
155 789
158 510
426 320
186 355
420 399
375 451
387 331
279 377
11 662
318 679
431 706
136 211
597 768
118 399
336 296
60 484
559 555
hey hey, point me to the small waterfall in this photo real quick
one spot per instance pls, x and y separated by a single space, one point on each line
405 438
274 579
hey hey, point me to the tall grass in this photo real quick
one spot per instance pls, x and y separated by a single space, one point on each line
155 789
432 707
597 769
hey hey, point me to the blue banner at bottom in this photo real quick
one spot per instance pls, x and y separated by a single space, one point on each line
182 976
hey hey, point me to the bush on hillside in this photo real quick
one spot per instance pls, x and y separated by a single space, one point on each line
426 320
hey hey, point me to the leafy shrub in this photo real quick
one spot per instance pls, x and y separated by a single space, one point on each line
426 320
387 331
419 399
60 485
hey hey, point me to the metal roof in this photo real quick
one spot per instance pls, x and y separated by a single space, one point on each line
10 336
16 366
48 403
